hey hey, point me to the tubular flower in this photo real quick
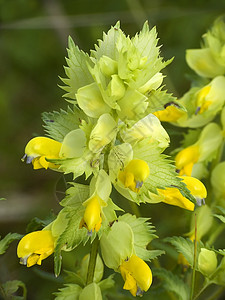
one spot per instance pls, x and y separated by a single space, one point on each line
174 197
134 174
171 113
40 148
186 159
136 274
34 247
92 216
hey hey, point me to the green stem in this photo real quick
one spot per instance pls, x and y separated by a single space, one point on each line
194 263
92 261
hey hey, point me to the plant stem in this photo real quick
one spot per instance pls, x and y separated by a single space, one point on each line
194 263
92 261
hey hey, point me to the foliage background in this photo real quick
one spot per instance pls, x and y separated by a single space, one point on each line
33 40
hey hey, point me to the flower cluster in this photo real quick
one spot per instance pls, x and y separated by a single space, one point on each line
112 134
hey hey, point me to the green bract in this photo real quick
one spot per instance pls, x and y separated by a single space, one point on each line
210 60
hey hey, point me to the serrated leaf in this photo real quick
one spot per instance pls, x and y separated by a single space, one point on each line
76 194
9 289
77 71
38 224
185 247
106 46
59 124
172 283
7 240
69 292
143 234
157 100
71 237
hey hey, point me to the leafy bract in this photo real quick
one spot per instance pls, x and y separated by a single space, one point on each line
7 240
9 288
72 235
143 232
75 195
69 292
59 124
185 247
172 283
77 70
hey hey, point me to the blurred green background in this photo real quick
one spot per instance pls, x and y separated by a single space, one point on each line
33 41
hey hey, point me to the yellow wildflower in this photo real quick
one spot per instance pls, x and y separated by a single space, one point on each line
136 274
40 148
202 102
186 159
34 247
171 113
134 174
92 216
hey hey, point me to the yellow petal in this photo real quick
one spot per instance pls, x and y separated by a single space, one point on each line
186 159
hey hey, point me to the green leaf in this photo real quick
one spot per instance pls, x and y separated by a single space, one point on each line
7 240
76 195
69 292
38 224
88 164
220 217
106 46
71 237
2 199
58 124
185 247
77 70
157 100
172 283
143 234
107 283
11 287
72 277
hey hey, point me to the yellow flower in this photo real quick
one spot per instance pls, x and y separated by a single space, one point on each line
171 113
174 197
34 247
134 174
92 216
202 102
186 159
136 274
40 148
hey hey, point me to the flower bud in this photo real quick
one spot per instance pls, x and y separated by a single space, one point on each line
117 244
218 180
207 262
116 88
108 66
91 291
103 133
